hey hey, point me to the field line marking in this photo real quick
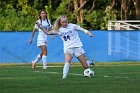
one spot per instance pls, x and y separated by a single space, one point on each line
59 73
50 66
75 74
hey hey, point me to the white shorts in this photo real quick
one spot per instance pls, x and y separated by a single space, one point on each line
41 42
76 51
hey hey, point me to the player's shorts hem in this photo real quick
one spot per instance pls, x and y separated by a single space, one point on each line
76 51
41 43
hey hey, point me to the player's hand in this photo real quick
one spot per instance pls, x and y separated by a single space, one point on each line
30 41
90 34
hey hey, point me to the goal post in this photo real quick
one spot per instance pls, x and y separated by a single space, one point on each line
124 39
124 25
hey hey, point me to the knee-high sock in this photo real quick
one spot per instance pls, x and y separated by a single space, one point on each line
66 69
88 62
37 58
44 60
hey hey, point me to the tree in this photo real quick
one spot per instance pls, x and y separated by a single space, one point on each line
78 10
137 6
125 8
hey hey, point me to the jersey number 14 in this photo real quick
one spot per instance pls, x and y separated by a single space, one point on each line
66 37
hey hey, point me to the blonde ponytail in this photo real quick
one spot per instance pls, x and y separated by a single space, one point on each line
57 24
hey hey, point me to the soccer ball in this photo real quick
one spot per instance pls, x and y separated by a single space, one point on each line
88 72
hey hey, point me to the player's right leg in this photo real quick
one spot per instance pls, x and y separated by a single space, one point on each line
68 58
36 60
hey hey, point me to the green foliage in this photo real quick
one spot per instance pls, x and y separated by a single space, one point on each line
21 14
92 20
54 13
14 21
10 21
49 10
109 15
2 22
20 18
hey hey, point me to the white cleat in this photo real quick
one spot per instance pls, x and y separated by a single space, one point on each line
92 63
64 77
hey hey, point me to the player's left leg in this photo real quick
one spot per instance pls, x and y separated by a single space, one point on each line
44 56
79 53
83 61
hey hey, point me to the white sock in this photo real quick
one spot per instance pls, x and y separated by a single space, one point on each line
44 60
37 58
88 62
66 69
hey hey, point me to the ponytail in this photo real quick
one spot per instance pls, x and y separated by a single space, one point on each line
57 24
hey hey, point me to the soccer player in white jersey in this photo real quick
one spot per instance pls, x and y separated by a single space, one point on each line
41 39
68 32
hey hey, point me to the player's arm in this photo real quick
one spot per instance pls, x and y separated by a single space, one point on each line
85 31
32 35
52 32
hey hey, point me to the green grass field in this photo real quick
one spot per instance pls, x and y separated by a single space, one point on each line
109 78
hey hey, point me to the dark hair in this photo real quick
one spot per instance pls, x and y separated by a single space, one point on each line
40 13
40 16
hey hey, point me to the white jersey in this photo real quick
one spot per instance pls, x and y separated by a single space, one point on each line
69 36
46 24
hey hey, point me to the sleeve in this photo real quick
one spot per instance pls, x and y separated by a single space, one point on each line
36 27
77 27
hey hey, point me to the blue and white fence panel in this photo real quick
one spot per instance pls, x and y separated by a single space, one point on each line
105 46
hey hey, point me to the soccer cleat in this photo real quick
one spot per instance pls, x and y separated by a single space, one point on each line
64 77
33 65
92 62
